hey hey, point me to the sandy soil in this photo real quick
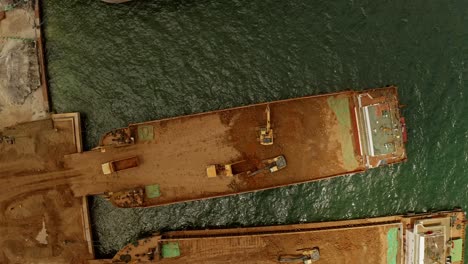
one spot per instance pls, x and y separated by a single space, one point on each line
19 23
40 219
42 227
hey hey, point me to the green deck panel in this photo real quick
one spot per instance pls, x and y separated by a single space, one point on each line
340 106
152 191
8 8
145 133
457 250
170 250
392 245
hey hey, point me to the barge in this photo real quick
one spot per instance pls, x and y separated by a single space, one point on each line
246 149
403 239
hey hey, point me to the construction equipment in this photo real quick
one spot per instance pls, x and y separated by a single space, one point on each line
135 197
271 165
127 198
245 168
232 169
308 256
266 133
118 165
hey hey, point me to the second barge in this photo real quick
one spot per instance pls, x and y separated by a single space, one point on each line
402 239
245 149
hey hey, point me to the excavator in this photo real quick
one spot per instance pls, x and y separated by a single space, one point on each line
266 133
243 168
271 165
308 256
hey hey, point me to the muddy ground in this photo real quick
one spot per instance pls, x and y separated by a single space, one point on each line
40 219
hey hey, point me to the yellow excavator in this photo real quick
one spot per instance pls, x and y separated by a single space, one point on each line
307 256
266 133
244 168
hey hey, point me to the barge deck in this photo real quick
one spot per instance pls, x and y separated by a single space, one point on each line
425 238
320 137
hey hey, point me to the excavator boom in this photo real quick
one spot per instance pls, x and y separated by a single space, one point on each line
266 133
268 127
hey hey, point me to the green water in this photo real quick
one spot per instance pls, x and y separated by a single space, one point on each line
145 60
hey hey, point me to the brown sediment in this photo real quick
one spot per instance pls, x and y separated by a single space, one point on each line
348 241
41 221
